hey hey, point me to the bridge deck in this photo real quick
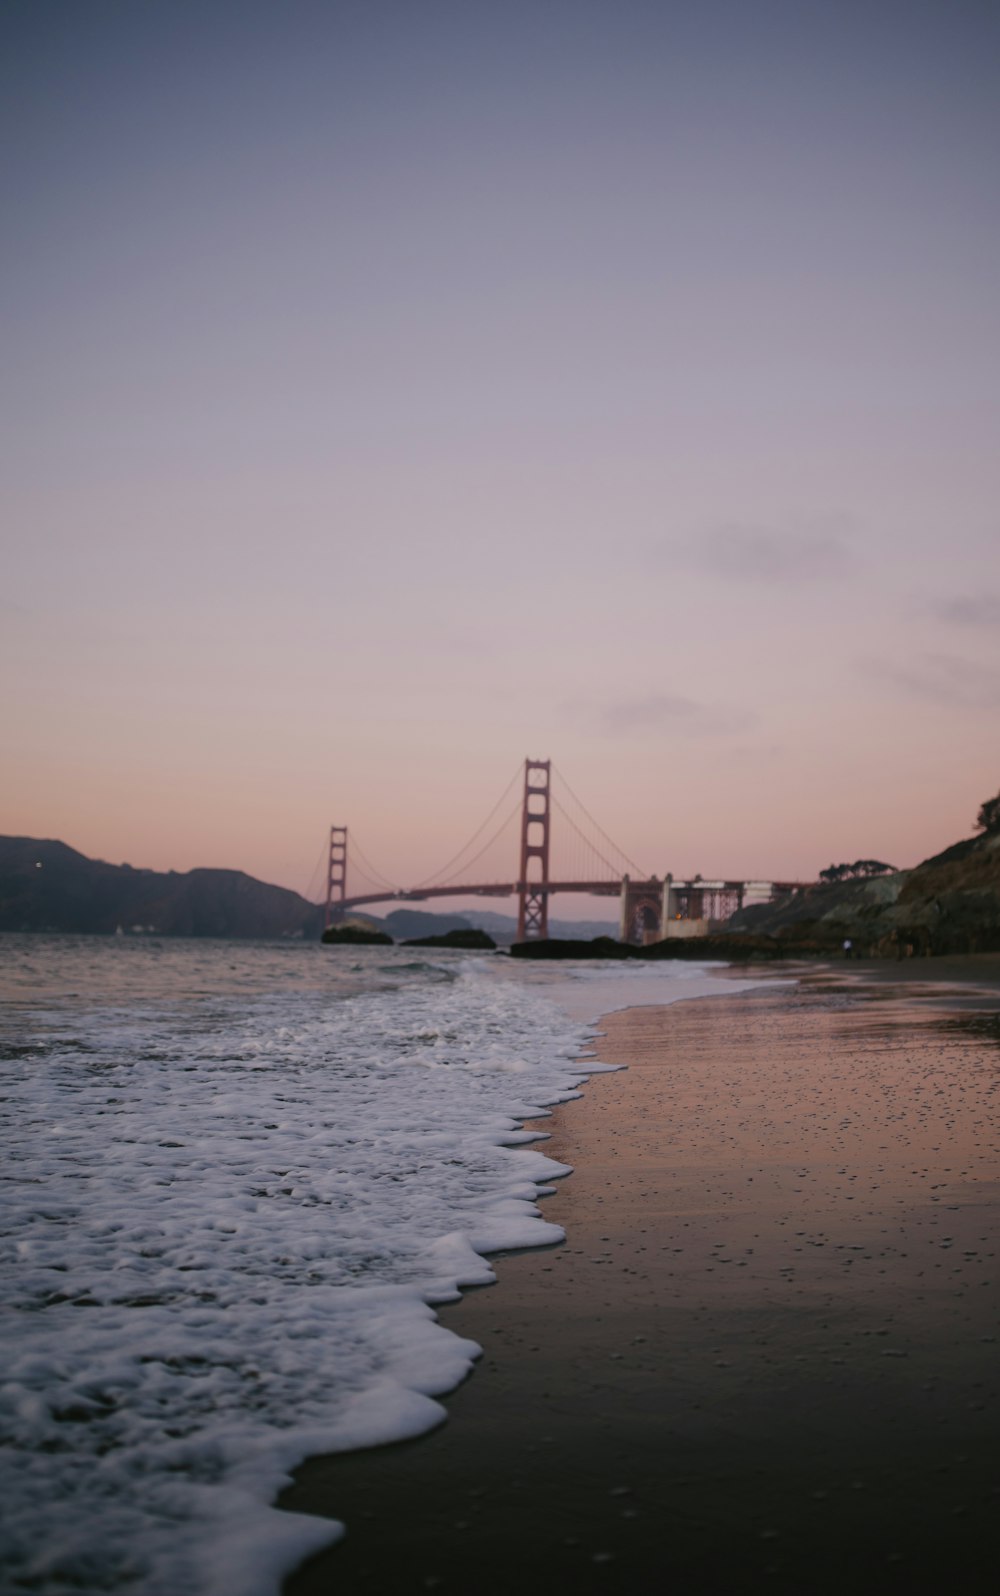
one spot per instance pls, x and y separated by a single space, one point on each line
596 889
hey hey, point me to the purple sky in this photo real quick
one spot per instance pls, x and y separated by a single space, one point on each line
391 391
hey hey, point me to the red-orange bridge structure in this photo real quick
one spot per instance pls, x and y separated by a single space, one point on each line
650 907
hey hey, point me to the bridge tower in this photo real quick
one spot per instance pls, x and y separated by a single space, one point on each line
336 877
533 878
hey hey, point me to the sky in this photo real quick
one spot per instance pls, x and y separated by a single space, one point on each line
392 391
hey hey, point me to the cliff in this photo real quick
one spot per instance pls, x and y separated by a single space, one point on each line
948 904
46 886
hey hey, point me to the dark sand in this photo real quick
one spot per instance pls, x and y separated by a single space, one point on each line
767 1355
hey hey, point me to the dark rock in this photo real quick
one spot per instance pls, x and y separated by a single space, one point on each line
721 946
565 948
356 935
730 946
473 940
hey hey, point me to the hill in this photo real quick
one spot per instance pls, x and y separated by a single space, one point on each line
405 924
47 886
948 904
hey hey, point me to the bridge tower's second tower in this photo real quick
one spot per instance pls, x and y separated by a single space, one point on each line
336 876
533 878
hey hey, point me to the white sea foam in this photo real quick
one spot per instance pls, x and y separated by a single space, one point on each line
232 1193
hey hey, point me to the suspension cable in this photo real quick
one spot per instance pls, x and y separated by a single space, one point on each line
317 873
486 846
594 850
367 868
436 875
361 878
598 827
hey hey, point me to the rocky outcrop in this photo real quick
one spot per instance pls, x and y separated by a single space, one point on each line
356 935
948 904
721 946
472 941
564 948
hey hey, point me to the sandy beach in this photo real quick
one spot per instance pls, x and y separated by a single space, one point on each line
767 1355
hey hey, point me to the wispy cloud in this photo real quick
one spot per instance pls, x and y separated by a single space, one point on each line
767 554
977 610
939 679
655 713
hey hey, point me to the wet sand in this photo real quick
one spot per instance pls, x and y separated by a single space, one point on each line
767 1355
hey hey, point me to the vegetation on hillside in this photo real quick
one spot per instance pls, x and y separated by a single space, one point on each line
988 818
861 869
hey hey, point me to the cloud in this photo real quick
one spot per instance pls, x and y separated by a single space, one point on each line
970 610
669 713
759 554
939 679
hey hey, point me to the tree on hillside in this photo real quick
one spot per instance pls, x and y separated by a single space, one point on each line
988 818
860 868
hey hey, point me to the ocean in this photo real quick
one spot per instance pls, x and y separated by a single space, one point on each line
237 1179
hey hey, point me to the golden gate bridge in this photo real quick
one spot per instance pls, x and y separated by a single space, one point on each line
586 860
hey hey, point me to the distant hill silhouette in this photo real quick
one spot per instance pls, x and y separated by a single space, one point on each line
46 886
405 924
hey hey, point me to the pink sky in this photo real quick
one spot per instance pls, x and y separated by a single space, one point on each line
393 392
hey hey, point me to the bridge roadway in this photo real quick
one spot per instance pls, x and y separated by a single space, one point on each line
503 889
596 889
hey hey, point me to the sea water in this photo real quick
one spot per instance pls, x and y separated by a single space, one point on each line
236 1179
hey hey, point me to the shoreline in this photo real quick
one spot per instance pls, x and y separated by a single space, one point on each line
763 1356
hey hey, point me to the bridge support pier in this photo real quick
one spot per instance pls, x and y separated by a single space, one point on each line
533 880
669 910
642 905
